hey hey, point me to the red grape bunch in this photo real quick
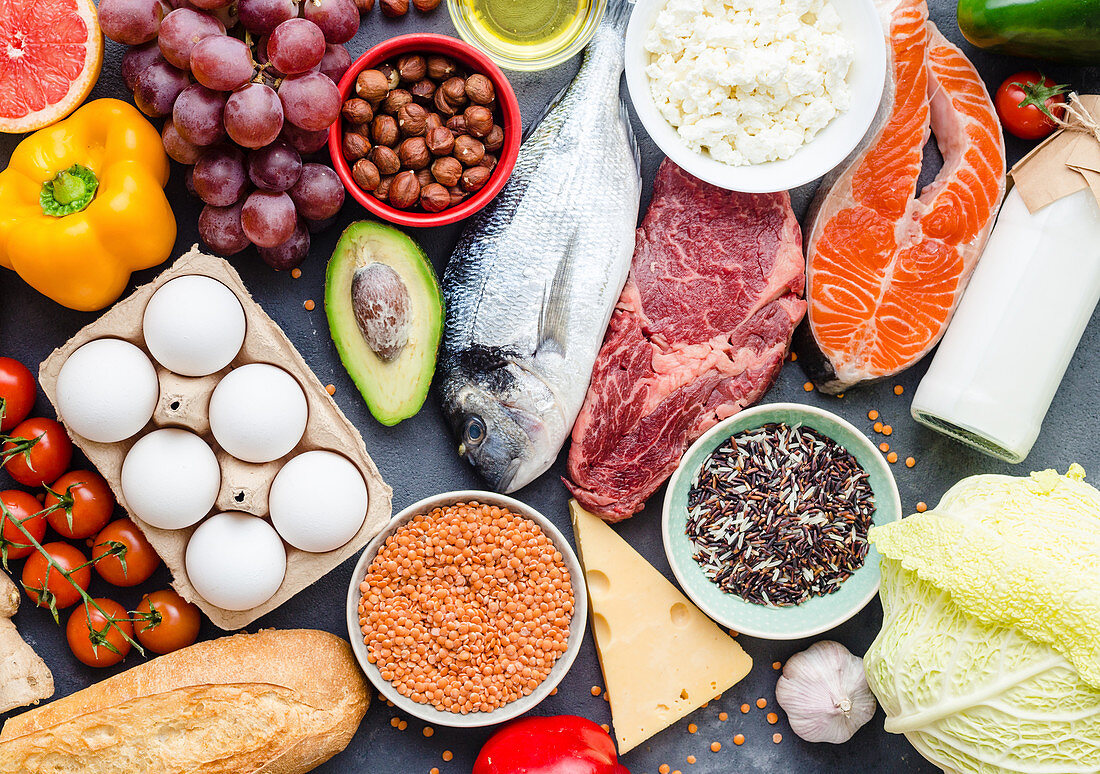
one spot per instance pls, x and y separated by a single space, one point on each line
247 88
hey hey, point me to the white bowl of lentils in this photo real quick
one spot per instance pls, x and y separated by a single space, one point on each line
468 609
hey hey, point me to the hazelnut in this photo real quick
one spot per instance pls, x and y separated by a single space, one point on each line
412 120
392 78
393 8
442 105
434 121
494 140
489 161
357 111
413 153
441 141
371 85
366 175
440 68
474 179
457 195
469 150
364 6
404 191
395 100
434 198
454 91
424 177
411 67
479 120
480 89
386 159
457 125
384 130
382 192
423 91
447 170
355 146
424 6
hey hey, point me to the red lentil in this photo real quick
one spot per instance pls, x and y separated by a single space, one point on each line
878 427
715 746
921 507
466 608
777 665
692 728
887 430
664 768
898 389
808 386
892 457
428 730
777 738
884 447
761 703
448 755
910 462
605 727
691 759
745 709
773 718
794 357
309 305
596 690
739 740
295 273
435 770
872 415
330 389
723 716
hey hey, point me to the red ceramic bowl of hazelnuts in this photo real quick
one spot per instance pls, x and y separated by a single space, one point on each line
429 132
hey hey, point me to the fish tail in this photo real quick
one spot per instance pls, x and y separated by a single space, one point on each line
618 13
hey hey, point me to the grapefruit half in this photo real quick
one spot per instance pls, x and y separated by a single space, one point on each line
50 55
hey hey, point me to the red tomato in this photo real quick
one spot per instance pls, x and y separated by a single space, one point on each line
140 558
16 393
172 622
40 452
1018 102
61 590
92 507
92 638
21 507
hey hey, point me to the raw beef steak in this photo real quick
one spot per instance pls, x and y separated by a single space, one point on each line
700 332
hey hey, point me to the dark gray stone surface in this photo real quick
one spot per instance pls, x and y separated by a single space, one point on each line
418 459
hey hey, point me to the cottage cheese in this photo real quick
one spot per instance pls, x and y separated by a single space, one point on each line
748 81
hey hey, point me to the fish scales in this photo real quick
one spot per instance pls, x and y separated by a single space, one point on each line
535 277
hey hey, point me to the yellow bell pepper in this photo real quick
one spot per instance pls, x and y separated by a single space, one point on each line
82 205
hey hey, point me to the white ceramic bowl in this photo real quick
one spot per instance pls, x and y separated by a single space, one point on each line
427 712
867 77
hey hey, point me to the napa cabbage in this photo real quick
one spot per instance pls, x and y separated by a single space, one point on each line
989 655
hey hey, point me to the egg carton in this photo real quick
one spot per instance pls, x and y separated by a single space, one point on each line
184 402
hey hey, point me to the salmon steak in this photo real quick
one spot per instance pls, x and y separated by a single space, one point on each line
885 268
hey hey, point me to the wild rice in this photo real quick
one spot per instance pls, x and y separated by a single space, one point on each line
780 514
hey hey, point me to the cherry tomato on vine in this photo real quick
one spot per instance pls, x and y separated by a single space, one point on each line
21 507
16 393
93 504
45 455
1021 100
173 622
140 557
59 588
92 638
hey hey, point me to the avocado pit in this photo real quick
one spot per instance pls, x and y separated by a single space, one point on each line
381 302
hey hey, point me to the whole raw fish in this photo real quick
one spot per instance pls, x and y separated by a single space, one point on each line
534 279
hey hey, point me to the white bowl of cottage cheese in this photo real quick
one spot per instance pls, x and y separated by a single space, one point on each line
756 95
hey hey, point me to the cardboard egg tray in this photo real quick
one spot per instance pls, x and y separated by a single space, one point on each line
184 402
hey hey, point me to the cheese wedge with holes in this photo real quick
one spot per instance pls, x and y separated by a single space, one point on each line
662 658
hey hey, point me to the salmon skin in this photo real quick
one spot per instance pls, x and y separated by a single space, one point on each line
885 270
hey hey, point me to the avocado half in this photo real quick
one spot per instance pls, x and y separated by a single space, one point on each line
394 389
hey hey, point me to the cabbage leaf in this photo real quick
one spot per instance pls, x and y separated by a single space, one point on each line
988 655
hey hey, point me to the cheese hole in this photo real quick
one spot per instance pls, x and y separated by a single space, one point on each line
602 629
598 582
679 614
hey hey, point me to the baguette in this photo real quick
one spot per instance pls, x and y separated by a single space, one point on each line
24 677
277 702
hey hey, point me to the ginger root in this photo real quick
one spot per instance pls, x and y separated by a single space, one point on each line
24 677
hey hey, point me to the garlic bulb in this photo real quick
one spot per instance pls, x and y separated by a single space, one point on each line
824 692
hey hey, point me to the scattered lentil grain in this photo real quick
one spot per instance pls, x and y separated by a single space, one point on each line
773 718
921 507
777 738
887 430
739 740
596 690
448 755
808 386
898 389
330 389
428 731
434 770
794 357
394 722
745 709
892 457
605 727
884 447
723 716
309 304
715 746
910 462
777 665
402 725
878 427
295 273
761 703
691 759
872 415
664 768
692 728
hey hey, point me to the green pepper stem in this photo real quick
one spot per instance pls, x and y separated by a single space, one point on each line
71 190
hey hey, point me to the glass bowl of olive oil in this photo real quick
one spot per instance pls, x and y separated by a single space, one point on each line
527 34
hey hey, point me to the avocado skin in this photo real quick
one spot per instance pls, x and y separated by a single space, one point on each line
396 390
1061 30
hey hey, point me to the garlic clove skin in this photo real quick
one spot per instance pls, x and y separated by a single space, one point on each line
824 692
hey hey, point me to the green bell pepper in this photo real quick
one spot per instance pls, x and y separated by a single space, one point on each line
1061 30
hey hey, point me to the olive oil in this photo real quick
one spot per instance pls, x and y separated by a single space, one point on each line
527 30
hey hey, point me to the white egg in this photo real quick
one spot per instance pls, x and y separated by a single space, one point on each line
194 325
258 413
235 561
318 501
107 390
170 478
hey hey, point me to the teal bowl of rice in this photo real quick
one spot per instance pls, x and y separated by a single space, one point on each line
765 521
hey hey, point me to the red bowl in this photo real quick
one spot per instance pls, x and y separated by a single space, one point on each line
476 61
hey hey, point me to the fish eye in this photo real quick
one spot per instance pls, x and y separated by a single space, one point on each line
475 431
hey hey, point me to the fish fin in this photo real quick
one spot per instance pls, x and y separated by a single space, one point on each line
554 314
